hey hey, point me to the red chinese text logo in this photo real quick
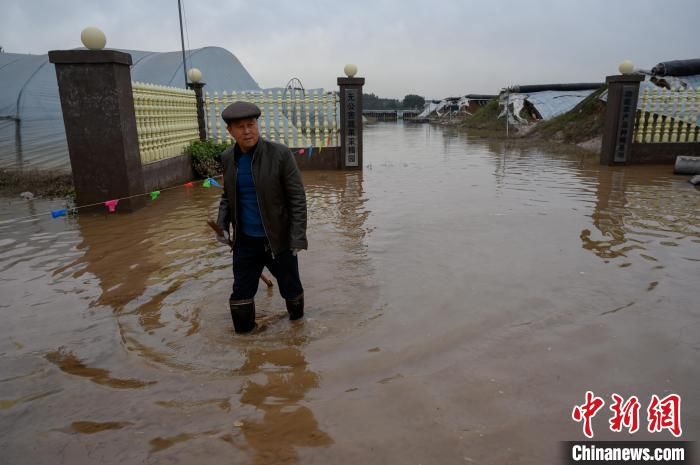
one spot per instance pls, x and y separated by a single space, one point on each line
662 414
626 414
665 414
587 411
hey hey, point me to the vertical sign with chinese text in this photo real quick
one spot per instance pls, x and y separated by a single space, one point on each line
625 123
351 127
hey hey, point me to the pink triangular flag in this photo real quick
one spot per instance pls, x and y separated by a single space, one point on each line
112 205
188 184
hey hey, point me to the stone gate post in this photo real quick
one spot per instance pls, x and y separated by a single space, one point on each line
98 114
620 110
351 119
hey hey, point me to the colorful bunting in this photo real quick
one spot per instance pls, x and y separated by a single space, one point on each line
301 152
311 150
327 144
112 205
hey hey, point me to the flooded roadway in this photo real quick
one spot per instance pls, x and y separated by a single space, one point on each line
462 295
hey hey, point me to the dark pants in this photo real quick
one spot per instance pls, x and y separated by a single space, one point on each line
250 255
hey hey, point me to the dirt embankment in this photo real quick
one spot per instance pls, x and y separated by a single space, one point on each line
39 183
581 126
486 118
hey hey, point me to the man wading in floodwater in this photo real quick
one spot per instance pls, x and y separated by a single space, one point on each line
264 203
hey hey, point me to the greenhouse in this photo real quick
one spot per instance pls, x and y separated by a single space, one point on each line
32 135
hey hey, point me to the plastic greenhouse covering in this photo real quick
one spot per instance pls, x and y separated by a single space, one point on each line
32 135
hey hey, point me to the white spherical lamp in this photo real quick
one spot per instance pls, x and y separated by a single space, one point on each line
93 38
350 70
626 67
194 74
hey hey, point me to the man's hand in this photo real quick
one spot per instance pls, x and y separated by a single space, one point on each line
223 239
295 251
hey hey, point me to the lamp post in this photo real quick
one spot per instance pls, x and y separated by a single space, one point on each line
182 40
195 76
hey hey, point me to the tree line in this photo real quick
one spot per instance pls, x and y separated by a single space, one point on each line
410 101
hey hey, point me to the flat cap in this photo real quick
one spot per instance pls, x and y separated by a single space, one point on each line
240 110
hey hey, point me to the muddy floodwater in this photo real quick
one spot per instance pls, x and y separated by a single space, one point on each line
462 296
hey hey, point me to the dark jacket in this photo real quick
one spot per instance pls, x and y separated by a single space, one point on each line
280 192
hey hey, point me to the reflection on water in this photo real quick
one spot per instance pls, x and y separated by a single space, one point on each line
69 363
90 427
287 380
447 247
166 281
608 217
629 214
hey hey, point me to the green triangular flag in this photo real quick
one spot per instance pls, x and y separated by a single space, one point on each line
154 195
206 183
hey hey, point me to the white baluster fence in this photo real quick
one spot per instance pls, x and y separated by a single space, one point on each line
166 120
297 120
668 116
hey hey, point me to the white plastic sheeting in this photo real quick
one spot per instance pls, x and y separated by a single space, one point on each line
554 103
677 83
438 108
517 103
548 103
431 107
32 135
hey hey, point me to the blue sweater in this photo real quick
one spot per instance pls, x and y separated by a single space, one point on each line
249 212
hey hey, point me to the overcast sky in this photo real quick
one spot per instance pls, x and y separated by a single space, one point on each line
432 48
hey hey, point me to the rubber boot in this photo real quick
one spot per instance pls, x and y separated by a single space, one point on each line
295 307
243 315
